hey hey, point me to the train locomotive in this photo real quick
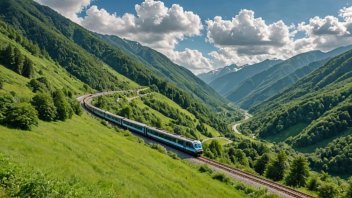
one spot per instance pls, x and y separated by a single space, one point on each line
193 147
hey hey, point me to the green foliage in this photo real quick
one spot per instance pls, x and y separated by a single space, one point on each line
76 107
238 156
22 116
335 157
6 100
221 177
28 69
214 149
63 107
40 85
261 164
13 59
159 148
313 183
327 190
349 190
44 104
205 169
20 183
277 168
1 83
299 172
126 112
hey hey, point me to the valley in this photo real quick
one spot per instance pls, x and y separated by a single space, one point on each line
89 111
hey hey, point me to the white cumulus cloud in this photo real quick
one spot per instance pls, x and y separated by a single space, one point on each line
68 8
191 59
154 24
245 39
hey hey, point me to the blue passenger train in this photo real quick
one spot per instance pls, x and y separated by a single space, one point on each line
193 147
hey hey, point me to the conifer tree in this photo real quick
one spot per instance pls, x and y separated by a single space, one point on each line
276 169
299 172
262 163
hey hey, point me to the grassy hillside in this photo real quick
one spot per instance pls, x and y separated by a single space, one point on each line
321 100
260 87
104 162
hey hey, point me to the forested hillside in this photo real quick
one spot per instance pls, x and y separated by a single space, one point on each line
85 56
164 67
261 86
316 110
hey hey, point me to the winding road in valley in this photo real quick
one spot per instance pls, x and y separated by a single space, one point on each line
239 175
246 117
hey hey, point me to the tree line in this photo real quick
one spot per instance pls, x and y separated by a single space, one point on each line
48 104
12 58
281 164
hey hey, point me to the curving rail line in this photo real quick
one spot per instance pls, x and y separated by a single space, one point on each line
283 190
264 182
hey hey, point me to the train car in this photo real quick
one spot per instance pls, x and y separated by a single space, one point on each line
193 147
114 118
134 126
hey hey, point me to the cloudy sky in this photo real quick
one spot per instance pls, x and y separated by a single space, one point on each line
203 35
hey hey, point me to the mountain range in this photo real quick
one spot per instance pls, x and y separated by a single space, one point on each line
208 77
256 83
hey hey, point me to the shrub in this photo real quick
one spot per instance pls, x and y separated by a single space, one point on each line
40 85
173 155
276 169
6 101
313 184
221 177
299 172
44 104
160 148
22 116
327 190
261 163
64 110
76 107
205 169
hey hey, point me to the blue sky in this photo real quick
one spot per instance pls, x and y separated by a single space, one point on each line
206 34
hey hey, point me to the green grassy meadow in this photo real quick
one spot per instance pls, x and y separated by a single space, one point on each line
109 162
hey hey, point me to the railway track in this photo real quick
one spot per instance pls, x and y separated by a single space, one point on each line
258 181
284 190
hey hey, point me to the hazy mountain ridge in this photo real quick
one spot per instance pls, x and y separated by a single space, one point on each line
210 76
231 81
259 87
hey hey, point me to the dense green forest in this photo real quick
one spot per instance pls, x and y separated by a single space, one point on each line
321 102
